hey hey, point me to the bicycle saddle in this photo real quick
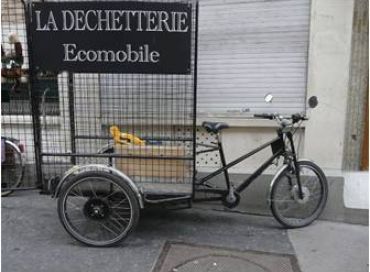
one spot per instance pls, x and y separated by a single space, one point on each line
214 127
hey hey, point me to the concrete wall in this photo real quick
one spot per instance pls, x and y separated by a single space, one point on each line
328 77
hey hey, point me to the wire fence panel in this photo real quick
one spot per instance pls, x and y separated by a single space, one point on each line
142 123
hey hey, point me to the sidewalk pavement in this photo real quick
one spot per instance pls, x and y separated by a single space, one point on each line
33 240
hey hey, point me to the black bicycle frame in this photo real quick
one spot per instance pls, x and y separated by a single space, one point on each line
278 149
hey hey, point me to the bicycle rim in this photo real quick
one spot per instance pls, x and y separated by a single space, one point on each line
288 207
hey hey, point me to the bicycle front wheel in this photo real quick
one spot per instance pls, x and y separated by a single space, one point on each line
12 169
290 208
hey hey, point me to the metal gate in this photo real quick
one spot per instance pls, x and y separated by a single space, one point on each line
141 122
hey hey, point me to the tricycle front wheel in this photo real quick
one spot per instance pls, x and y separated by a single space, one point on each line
98 208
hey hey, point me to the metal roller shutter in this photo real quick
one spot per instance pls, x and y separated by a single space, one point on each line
249 48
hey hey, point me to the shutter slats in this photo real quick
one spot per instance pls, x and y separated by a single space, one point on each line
249 48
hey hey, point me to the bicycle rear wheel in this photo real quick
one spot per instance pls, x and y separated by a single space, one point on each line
12 169
98 209
291 210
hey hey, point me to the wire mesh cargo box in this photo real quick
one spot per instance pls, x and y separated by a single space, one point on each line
155 161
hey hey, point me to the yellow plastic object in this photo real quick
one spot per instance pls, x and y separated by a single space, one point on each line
124 138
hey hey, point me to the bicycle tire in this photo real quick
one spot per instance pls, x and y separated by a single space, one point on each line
294 219
108 206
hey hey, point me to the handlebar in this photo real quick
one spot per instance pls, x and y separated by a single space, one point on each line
298 117
282 119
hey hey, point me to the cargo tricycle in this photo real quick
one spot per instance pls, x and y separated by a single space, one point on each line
100 205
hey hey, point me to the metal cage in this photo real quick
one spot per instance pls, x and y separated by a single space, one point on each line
76 118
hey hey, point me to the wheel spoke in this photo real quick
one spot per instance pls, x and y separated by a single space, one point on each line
120 208
92 189
307 181
111 194
77 196
117 205
313 197
78 190
121 218
108 229
74 205
118 223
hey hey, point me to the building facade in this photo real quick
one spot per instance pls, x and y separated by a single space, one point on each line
292 49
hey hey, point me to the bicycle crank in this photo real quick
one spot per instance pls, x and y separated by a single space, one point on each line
232 199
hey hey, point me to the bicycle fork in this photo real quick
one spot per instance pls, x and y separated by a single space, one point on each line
295 164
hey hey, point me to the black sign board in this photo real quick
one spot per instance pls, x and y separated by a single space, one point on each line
112 37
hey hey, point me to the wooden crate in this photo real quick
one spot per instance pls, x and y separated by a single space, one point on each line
147 167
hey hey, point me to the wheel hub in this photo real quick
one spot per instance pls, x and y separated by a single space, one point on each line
305 192
96 209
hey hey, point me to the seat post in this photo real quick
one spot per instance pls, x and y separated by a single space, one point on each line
223 160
